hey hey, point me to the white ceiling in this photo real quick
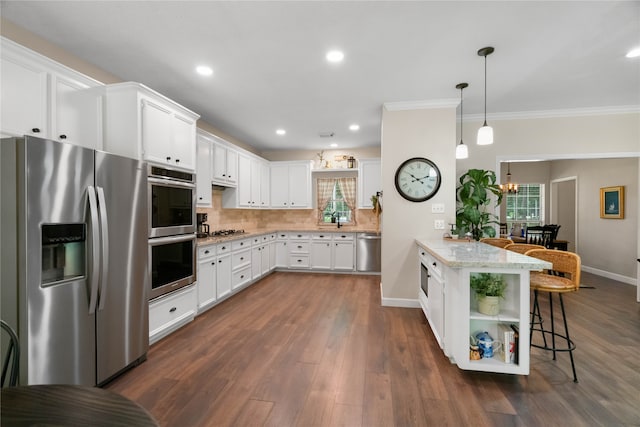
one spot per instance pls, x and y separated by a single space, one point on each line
270 71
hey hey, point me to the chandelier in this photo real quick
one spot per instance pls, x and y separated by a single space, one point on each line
509 187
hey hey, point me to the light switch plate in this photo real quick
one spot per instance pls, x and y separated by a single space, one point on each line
437 208
438 224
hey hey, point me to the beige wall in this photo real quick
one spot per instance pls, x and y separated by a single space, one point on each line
604 244
429 133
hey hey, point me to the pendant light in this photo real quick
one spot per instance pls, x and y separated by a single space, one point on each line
509 187
462 152
485 133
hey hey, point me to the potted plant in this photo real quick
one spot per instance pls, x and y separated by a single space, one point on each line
489 288
473 201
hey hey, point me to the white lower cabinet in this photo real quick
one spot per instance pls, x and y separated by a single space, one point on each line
206 285
321 249
299 246
343 255
223 276
170 312
332 251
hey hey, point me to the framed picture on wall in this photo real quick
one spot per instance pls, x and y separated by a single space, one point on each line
612 202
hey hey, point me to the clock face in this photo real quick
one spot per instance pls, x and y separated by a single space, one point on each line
417 179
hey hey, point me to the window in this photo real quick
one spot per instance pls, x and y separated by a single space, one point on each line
334 203
526 207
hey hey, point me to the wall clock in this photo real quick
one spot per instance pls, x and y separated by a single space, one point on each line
417 179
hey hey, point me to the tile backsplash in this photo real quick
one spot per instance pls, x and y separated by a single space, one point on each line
249 219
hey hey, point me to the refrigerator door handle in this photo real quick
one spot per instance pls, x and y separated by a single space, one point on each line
95 237
104 231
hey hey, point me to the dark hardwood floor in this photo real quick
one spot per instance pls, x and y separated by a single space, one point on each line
302 349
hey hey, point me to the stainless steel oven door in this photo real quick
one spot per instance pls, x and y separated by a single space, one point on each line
172 263
172 207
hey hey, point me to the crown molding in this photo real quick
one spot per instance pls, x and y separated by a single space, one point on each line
421 105
548 114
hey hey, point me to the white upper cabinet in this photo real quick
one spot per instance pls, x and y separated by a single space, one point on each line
204 157
225 165
143 124
43 98
369 181
291 185
252 189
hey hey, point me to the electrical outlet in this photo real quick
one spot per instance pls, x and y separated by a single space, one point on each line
438 224
437 208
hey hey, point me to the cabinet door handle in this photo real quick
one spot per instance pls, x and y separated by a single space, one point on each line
299 247
213 263
168 158
35 130
241 258
177 160
206 252
219 261
434 264
224 247
321 236
172 309
63 136
242 276
224 174
199 198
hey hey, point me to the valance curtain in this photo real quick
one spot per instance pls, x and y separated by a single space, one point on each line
325 192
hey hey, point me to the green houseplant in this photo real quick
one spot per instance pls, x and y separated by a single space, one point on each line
473 201
489 288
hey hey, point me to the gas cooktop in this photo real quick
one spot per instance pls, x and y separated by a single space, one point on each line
218 233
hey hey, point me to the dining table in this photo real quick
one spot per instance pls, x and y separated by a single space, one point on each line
70 405
559 244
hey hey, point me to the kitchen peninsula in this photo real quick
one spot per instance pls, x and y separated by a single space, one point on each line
446 267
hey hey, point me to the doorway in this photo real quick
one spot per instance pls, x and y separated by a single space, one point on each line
563 209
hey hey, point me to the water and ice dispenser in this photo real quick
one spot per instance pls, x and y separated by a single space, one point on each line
63 252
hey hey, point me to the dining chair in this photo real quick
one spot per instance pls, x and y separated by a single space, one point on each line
522 248
539 235
10 358
554 228
503 229
563 277
496 241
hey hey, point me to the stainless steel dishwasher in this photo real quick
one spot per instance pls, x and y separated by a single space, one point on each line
368 252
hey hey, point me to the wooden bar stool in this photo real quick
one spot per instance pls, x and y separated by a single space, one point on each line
499 242
522 248
563 278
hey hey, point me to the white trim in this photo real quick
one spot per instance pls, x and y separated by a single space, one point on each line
613 276
574 156
548 114
421 105
576 218
397 302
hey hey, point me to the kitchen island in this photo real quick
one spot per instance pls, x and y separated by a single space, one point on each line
445 295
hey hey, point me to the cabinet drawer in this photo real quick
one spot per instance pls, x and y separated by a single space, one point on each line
342 236
299 261
171 310
206 251
223 248
299 247
240 258
240 244
299 236
240 277
321 236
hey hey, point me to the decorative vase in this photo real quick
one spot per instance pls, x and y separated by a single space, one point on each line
489 305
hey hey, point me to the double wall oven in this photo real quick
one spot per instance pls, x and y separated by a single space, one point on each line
172 230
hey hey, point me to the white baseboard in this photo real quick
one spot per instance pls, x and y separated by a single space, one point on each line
609 275
397 302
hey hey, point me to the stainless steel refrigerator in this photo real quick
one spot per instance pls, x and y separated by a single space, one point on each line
74 260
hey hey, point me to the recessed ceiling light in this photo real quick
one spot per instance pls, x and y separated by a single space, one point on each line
354 127
203 70
335 56
633 53
333 145
281 131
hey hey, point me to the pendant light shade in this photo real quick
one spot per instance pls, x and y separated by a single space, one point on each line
462 152
485 133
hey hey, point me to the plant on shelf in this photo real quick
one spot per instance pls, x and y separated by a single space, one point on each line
473 200
489 288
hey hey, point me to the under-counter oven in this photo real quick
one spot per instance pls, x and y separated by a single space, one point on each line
172 263
172 202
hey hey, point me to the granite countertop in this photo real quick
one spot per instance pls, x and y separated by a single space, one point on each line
462 253
258 232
